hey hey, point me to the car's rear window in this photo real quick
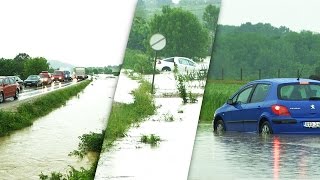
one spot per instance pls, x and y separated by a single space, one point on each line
33 77
57 73
299 92
169 60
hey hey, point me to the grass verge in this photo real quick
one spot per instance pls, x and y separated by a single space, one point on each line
215 95
26 113
124 115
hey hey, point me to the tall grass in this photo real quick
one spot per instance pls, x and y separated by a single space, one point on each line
124 115
26 113
215 95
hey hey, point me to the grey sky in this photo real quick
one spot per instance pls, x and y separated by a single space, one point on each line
295 14
80 32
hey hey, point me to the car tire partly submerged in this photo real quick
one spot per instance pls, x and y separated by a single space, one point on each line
219 127
166 69
265 128
1 97
16 96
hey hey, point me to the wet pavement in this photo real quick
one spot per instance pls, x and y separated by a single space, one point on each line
44 147
31 92
250 156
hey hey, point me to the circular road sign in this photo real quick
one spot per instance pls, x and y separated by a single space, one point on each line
157 42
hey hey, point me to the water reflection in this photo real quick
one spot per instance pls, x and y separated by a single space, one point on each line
250 156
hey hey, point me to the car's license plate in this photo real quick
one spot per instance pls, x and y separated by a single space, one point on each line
311 124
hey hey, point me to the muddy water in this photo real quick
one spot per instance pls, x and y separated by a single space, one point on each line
131 159
250 156
44 147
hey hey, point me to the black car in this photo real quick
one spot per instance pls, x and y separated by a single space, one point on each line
67 75
33 80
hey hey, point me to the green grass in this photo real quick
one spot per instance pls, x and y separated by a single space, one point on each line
28 112
124 115
72 174
216 94
150 139
91 142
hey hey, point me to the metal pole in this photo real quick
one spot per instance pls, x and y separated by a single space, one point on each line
241 74
154 70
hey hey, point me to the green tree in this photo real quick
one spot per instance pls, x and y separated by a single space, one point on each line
35 66
210 17
184 33
137 61
139 34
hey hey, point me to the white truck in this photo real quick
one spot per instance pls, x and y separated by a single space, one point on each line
80 73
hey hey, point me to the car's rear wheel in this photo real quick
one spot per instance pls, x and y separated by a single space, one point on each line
166 69
1 97
219 127
265 128
16 96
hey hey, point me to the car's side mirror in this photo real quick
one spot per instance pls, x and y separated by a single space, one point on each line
230 102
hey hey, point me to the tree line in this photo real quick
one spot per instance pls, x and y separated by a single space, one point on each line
23 65
262 46
185 34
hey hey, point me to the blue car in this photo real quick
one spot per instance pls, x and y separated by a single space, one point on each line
272 106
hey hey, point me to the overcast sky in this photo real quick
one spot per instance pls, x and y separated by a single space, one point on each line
80 32
295 14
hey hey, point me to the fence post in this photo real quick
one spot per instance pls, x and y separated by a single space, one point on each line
278 73
259 73
222 73
241 74
298 73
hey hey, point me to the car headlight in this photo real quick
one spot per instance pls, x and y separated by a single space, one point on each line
59 77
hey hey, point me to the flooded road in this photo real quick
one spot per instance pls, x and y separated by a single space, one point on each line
44 147
131 159
174 122
250 156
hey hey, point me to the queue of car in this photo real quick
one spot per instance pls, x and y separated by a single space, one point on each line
11 86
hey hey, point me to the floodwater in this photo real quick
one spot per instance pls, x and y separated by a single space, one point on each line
174 122
130 159
44 146
250 156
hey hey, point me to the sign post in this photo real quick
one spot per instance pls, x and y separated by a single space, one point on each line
157 43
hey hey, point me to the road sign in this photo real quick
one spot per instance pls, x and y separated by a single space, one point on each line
157 42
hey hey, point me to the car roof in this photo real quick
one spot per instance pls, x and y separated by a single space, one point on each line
284 80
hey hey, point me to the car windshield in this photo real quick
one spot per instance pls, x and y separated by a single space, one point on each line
33 77
299 92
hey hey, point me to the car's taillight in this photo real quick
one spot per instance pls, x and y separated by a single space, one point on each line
280 110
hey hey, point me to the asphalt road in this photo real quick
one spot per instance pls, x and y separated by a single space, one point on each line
30 93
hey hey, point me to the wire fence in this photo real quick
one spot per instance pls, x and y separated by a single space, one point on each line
245 74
